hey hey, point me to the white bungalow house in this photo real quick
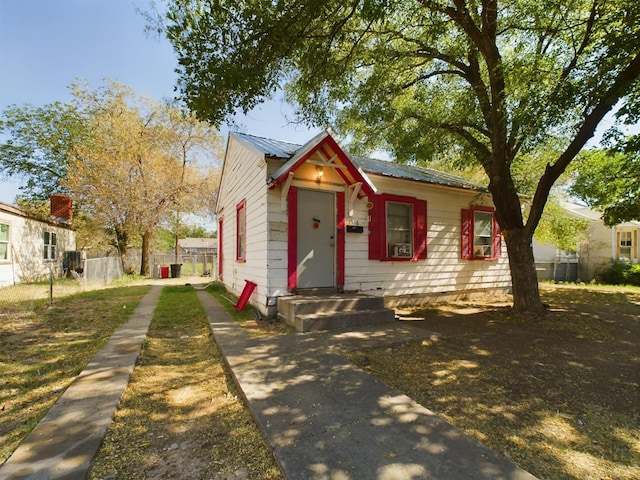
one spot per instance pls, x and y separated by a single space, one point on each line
32 247
597 247
294 219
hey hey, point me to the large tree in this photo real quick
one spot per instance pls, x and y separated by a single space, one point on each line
141 163
127 161
485 81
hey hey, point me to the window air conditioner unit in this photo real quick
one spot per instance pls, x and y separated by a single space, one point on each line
401 250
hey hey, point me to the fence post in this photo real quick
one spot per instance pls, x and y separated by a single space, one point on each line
50 285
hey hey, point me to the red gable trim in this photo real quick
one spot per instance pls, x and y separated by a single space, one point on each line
324 142
276 182
355 175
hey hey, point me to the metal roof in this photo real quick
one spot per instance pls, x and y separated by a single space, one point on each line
286 150
271 148
590 214
411 172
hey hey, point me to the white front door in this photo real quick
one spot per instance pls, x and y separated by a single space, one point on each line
316 239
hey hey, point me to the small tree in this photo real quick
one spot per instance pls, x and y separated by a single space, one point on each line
609 181
39 145
558 228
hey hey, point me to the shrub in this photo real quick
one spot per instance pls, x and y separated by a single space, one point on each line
621 273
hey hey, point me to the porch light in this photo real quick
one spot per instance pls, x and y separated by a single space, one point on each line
319 173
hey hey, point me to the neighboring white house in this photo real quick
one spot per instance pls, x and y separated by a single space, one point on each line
598 245
292 218
30 247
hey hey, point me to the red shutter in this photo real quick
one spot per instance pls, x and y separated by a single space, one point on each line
376 228
420 230
497 238
466 228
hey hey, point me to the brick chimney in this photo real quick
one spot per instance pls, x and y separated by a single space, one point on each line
61 208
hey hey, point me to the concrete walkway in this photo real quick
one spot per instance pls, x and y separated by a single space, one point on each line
323 417
326 419
65 442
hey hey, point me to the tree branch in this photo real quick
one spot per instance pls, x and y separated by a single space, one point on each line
429 75
585 42
617 90
482 152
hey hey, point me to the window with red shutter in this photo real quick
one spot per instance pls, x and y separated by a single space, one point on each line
397 228
480 234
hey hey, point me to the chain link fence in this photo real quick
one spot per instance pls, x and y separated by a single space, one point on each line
99 272
95 273
188 265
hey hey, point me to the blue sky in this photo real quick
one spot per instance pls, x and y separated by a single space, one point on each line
46 44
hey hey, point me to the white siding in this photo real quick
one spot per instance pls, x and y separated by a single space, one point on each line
278 241
444 270
244 178
26 261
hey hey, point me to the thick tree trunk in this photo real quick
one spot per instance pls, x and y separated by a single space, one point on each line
146 247
526 294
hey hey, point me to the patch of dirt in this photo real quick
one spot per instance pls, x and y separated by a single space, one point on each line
558 394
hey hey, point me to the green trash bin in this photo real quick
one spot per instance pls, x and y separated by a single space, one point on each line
175 270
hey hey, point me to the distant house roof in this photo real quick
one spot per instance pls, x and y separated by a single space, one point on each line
589 214
191 244
286 150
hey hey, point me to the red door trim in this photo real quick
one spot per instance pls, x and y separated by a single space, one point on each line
292 240
340 239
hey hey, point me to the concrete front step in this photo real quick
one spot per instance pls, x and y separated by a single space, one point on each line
326 312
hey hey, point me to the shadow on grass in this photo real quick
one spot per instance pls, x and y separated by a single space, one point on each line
558 395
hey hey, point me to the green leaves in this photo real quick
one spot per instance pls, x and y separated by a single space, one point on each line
559 228
608 181
485 85
39 144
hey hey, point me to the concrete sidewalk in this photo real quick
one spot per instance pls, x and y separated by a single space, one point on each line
65 442
327 419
